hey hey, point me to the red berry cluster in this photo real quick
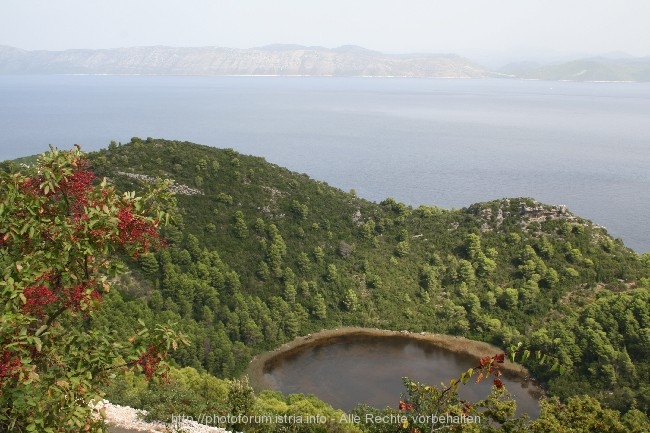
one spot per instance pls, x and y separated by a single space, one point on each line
149 361
9 365
76 186
136 230
80 297
32 186
38 297
79 182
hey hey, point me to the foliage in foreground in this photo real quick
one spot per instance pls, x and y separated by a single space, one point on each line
60 232
200 396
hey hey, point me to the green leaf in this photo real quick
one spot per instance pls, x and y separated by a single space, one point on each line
40 330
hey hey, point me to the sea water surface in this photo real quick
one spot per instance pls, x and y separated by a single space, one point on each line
443 142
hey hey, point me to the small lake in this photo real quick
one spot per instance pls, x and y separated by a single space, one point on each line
348 370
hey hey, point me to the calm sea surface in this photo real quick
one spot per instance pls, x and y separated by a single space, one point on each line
422 141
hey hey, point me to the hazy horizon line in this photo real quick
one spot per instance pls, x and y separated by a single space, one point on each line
541 52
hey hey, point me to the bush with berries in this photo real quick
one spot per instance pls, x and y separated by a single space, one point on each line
63 234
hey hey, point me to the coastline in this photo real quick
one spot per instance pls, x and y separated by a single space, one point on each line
461 345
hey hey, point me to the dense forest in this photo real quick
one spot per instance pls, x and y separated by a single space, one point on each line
257 255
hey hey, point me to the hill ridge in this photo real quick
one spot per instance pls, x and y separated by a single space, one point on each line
286 60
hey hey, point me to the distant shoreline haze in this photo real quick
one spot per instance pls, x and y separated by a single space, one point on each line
296 60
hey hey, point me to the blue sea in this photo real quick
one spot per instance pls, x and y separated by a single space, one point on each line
444 142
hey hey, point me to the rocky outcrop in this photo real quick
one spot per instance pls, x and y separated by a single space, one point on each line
176 188
130 420
523 211
539 212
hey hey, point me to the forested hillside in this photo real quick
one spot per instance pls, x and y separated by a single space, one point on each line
258 255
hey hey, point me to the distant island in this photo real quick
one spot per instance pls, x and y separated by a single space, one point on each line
286 60
297 60
635 69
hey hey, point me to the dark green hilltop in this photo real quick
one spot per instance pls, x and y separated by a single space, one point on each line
258 255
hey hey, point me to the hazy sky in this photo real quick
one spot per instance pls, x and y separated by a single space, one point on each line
469 27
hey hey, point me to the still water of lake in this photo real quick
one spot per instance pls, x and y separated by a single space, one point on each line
353 369
449 143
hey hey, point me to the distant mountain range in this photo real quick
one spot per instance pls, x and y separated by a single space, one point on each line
348 60
269 60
